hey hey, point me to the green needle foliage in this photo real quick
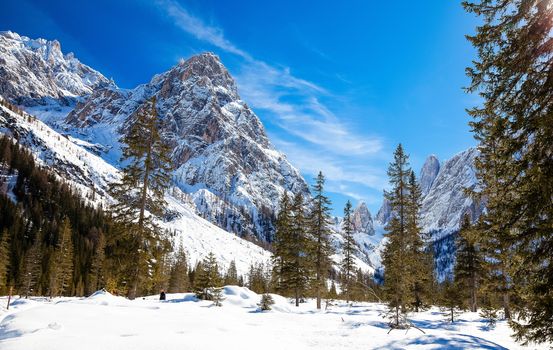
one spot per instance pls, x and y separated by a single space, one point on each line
513 74
140 193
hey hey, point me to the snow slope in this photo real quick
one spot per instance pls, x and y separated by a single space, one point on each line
104 321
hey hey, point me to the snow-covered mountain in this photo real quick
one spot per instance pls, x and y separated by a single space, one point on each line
36 72
91 175
428 173
444 203
220 149
444 199
221 152
362 219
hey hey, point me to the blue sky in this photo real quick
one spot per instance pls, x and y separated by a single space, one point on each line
337 84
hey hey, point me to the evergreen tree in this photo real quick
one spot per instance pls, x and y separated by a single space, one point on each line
332 294
419 257
97 266
258 278
266 302
319 222
141 190
514 76
282 246
217 296
397 253
207 277
348 249
32 269
451 299
468 265
4 260
178 280
231 277
291 248
61 273
299 265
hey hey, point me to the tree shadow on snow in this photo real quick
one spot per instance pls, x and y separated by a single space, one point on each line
460 341
187 298
4 334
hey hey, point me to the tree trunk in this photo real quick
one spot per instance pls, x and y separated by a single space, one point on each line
506 306
144 193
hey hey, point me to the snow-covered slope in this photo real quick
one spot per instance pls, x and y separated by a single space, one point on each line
36 72
88 172
104 321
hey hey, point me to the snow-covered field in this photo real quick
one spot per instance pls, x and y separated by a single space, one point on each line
103 321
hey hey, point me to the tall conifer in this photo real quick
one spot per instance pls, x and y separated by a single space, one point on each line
468 265
514 76
319 227
4 260
140 193
348 250
395 257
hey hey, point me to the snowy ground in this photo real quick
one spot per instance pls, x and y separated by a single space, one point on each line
104 321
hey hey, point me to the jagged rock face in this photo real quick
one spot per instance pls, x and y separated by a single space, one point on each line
362 219
384 212
428 173
219 144
35 72
446 202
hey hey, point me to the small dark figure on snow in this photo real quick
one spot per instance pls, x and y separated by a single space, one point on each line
162 295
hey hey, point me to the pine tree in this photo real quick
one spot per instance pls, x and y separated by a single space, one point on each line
266 302
32 267
258 278
419 256
207 277
140 193
217 296
450 299
332 294
61 273
319 222
231 277
299 265
348 249
282 246
397 255
4 260
178 280
514 76
468 266
97 266
291 265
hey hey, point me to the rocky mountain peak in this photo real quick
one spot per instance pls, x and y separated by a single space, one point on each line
428 173
221 151
36 72
362 219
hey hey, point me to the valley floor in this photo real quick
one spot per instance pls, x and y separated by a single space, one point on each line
103 321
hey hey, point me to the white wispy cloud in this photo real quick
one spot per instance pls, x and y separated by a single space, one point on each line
193 25
296 106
